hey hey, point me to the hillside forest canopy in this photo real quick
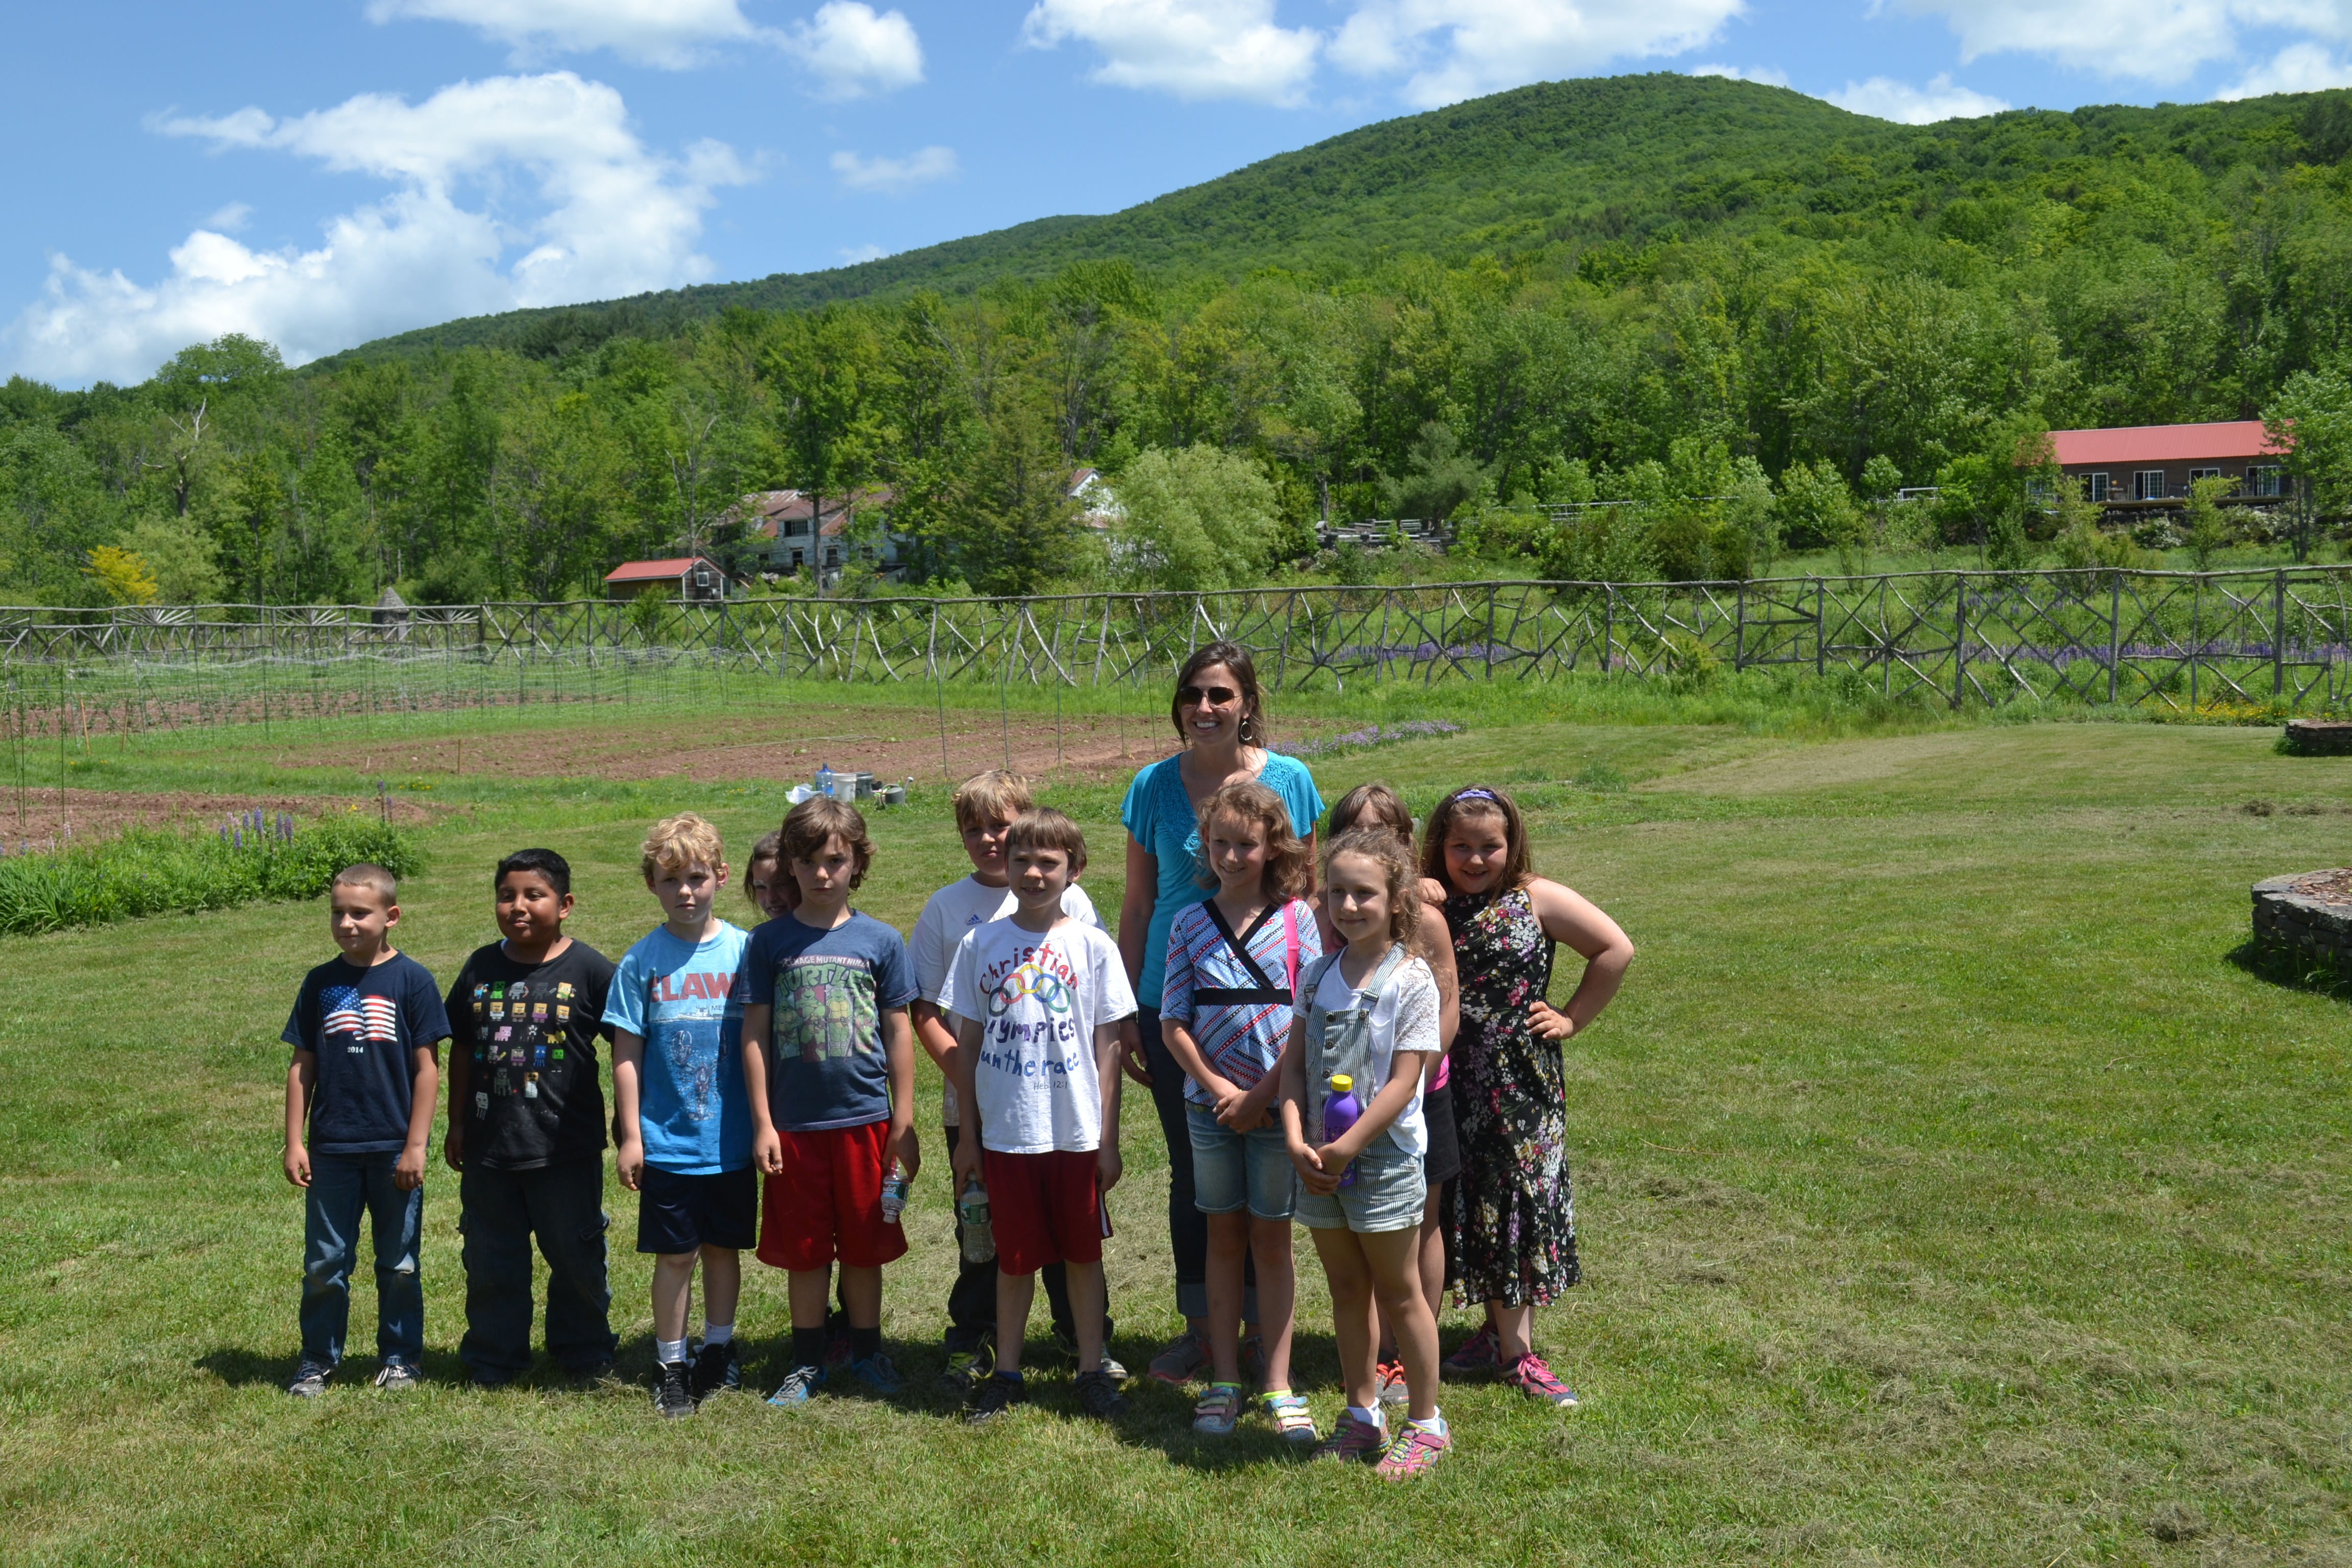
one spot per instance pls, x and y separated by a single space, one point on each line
1753 314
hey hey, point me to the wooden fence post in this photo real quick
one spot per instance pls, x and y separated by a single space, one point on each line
1959 636
2278 633
2115 628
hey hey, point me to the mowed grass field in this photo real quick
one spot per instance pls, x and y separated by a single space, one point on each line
1947 1193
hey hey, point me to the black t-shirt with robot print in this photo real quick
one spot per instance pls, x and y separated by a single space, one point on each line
530 1030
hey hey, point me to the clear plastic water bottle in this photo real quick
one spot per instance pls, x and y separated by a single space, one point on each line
971 1218
894 1194
1339 1113
825 779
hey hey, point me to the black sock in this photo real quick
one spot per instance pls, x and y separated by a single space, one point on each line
808 1347
866 1343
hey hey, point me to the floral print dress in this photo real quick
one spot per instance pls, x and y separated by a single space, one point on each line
1512 1213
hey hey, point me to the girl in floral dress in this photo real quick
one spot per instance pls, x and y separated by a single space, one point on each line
1513 1210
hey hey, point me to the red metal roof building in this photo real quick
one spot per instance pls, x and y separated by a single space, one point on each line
688 576
2154 465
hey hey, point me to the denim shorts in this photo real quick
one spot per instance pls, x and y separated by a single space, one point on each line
1232 1171
1387 1194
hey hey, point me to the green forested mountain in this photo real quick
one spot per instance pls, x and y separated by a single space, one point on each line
1659 288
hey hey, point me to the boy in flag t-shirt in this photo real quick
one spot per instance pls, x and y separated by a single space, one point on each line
684 1126
363 1080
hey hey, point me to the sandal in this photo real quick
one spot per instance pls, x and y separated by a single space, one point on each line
1290 1414
1219 1411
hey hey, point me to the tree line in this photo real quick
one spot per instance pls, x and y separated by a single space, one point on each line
1749 392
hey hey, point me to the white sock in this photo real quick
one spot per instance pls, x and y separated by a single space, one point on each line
718 1333
668 1351
1435 1424
1369 1417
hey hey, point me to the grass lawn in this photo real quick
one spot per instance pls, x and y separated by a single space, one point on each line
1948 1193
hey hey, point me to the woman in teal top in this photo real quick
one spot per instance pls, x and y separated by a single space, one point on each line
1218 715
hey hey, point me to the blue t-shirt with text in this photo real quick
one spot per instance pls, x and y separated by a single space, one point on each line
684 1000
365 1025
828 990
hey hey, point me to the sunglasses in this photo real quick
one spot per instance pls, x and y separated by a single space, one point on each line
1193 696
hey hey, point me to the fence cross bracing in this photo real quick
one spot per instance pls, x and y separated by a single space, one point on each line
2177 641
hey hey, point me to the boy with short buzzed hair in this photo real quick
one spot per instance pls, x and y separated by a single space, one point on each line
986 807
366 1028
1039 997
683 1125
829 1069
527 1130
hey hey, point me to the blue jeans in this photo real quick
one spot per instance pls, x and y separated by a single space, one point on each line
341 1187
1233 1171
500 1212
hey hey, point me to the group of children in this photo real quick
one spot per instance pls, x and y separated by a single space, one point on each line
1290 1003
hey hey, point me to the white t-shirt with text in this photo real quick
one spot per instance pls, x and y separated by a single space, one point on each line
1038 999
952 912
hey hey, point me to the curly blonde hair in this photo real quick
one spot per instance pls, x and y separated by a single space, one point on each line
1395 861
1289 867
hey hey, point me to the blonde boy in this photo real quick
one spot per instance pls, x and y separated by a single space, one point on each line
676 1011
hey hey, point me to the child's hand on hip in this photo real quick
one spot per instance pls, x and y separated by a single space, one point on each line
1550 1022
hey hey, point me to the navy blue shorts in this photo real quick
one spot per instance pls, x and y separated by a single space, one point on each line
678 1214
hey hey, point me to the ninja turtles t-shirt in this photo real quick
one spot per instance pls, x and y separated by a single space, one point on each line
828 990
531 1032
685 1000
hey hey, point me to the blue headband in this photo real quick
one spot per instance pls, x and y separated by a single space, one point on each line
1476 794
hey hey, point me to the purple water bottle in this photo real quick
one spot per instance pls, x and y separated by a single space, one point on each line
1339 1113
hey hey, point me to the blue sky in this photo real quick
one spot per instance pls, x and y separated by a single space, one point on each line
325 172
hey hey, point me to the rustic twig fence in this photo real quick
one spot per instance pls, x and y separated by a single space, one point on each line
2278 639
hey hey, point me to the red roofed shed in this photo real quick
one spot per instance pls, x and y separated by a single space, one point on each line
688 576
2154 465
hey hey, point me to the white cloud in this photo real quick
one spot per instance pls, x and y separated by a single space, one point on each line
854 52
896 174
848 47
676 34
1456 49
852 255
2298 67
230 219
558 175
1883 98
1188 48
2152 40
1769 75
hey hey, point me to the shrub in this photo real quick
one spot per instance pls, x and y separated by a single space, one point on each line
145 872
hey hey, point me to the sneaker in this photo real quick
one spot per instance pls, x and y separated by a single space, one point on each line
1414 1453
993 1396
310 1379
876 1374
799 1384
1181 1361
674 1394
966 1368
1099 1397
1354 1439
1531 1377
1290 1414
1067 1344
1390 1377
395 1375
1480 1355
717 1370
1219 1411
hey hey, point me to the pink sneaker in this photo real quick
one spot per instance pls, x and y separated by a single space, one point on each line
1531 1377
1414 1453
1353 1438
1478 1357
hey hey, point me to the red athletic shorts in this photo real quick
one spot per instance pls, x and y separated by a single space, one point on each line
1043 1208
828 1202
